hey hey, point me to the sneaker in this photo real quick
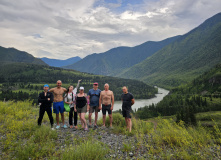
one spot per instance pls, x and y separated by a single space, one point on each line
57 127
89 126
95 126
65 126
86 129
52 129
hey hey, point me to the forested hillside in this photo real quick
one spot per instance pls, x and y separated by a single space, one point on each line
184 59
203 94
19 75
117 59
11 55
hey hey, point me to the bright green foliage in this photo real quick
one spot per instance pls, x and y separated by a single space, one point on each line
86 150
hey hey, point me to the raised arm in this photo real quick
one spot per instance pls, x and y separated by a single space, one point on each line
76 88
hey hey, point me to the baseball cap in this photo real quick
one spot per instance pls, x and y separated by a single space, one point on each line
46 85
95 83
81 88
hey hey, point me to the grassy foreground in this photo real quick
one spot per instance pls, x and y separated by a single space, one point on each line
21 138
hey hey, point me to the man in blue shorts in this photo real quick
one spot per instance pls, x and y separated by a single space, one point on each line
58 105
128 100
93 96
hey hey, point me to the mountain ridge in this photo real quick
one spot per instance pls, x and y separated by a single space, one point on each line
189 56
59 63
11 55
106 63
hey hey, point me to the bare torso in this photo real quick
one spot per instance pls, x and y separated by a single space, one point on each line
58 93
106 97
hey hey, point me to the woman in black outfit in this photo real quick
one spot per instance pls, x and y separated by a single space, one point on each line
82 107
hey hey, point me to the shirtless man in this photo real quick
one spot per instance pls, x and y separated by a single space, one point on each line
58 105
107 101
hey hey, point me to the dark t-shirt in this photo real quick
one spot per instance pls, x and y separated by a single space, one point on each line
94 97
126 99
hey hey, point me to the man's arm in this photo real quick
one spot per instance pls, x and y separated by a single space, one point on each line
64 89
132 101
112 98
40 99
100 101
51 90
51 98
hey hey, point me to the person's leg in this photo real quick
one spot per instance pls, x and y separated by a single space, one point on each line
57 119
61 109
111 119
62 118
96 117
82 123
90 115
84 120
41 115
49 112
104 114
75 119
71 117
130 124
126 120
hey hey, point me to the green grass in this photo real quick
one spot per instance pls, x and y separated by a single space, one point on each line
158 138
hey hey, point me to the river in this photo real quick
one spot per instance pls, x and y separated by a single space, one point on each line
141 102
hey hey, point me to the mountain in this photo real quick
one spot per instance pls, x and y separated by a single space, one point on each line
184 59
10 55
39 74
118 59
205 84
60 63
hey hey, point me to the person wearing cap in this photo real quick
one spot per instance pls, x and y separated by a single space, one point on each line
82 107
93 96
107 102
69 98
58 105
127 101
45 99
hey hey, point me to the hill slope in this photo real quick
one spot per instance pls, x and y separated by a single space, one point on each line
30 73
10 55
60 63
117 59
184 59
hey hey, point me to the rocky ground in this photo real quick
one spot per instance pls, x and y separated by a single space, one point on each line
121 146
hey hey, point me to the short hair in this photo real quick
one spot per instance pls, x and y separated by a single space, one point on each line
106 84
125 87
59 81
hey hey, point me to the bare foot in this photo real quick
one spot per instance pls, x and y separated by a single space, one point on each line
71 126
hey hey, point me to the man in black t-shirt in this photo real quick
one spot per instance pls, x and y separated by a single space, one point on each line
127 101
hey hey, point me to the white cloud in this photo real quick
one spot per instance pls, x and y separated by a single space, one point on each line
63 29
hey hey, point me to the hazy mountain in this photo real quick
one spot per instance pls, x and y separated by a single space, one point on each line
118 59
10 55
60 63
184 59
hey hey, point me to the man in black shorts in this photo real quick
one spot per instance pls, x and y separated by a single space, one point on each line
128 100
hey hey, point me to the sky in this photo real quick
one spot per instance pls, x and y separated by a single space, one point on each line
61 29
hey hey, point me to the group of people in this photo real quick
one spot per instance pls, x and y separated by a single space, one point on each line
81 103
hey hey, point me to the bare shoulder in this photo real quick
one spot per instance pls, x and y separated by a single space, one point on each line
64 89
52 89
